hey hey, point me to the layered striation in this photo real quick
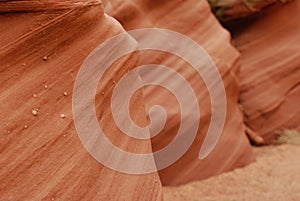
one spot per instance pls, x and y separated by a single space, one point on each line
42 46
194 19
270 72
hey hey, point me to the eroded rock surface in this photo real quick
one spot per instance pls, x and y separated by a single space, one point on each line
270 72
194 19
43 45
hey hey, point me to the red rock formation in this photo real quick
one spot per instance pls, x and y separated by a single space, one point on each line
270 73
43 44
194 19
42 157
236 10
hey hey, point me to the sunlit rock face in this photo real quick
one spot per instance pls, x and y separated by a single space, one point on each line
42 47
44 44
270 72
194 19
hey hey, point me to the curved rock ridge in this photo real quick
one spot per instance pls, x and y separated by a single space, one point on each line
194 19
270 72
47 5
42 157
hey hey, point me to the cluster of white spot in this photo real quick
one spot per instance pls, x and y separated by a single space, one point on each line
35 112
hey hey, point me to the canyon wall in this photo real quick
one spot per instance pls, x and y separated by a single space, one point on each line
43 45
194 19
42 48
270 72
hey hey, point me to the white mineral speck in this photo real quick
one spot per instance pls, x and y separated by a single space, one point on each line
34 112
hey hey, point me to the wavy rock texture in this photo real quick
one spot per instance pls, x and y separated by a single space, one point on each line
194 19
270 73
45 160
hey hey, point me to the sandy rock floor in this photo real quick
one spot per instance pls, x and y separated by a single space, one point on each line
275 176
